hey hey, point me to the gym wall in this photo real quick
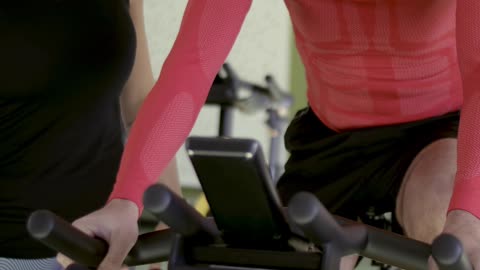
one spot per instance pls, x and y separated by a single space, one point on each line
263 46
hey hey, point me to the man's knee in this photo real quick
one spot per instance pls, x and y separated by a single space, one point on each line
427 186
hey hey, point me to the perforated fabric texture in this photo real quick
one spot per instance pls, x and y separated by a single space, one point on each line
466 195
372 63
170 110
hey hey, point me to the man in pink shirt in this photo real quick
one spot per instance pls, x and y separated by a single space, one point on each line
386 82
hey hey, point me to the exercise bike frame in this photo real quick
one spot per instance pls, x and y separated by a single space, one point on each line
196 242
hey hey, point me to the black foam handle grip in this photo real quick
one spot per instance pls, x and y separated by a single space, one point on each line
151 247
60 235
448 253
318 224
174 211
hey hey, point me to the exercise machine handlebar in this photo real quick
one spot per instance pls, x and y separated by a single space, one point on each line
60 235
305 211
320 227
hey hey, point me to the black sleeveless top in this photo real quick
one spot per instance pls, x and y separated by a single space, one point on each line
63 66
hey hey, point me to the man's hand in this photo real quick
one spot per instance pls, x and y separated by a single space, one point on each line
466 227
116 223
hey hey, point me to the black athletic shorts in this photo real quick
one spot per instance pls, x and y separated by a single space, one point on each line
355 171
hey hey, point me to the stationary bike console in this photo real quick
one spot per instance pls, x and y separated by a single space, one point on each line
238 186
245 207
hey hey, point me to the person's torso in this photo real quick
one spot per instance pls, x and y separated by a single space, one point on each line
63 66
377 62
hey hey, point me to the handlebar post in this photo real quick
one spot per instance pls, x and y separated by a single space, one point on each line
178 214
226 121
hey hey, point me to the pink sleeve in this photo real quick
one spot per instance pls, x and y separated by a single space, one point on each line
208 31
466 194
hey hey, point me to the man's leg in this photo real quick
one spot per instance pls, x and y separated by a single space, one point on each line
424 195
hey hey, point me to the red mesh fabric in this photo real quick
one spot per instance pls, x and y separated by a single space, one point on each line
466 195
371 63
170 110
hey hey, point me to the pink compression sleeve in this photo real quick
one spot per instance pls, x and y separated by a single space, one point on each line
466 194
208 31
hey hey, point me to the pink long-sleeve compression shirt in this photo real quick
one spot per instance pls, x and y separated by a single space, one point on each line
368 63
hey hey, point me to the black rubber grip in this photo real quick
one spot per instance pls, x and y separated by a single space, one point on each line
61 236
174 211
318 224
151 247
448 253
396 250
